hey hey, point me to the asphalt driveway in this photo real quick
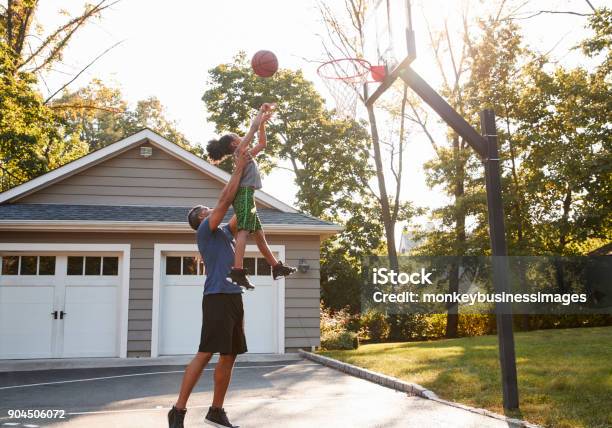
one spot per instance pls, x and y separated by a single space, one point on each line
278 394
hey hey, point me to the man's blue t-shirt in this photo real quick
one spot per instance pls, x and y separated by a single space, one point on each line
217 250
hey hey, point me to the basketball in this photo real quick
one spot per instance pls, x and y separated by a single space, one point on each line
264 63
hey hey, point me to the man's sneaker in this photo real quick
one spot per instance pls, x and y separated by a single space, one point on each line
176 417
239 276
216 417
281 270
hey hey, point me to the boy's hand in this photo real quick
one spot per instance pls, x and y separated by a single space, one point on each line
266 116
267 107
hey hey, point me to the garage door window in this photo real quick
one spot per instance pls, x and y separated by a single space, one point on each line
28 265
257 266
93 266
184 265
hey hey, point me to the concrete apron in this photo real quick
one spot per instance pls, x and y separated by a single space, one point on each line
88 363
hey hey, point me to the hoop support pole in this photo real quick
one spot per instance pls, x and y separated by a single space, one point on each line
446 112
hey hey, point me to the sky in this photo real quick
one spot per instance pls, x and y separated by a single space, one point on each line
167 48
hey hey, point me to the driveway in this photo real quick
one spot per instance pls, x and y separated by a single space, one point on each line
277 394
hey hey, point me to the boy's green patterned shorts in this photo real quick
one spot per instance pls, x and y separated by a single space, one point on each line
245 210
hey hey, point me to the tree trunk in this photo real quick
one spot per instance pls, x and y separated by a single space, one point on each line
522 271
394 324
384 198
567 203
452 318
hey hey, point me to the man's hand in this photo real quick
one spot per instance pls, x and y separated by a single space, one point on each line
243 158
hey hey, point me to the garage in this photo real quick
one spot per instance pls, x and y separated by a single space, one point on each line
128 202
177 296
61 304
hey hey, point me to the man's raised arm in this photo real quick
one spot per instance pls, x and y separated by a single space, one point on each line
229 191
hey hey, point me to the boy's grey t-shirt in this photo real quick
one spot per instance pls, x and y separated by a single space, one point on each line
217 250
250 176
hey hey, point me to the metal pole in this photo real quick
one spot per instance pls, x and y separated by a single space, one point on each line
497 234
444 109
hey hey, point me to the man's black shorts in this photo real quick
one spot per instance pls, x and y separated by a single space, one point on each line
223 324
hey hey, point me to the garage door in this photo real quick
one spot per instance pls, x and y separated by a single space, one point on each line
59 305
181 286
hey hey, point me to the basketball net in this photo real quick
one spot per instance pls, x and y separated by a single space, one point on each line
344 79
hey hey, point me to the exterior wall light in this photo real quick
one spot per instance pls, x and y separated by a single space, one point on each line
303 266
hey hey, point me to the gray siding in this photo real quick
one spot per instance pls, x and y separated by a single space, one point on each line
301 290
129 179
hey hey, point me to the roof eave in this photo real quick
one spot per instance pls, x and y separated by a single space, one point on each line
323 230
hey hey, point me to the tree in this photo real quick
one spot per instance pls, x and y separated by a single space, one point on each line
554 142
327 156
567 163
16 20
601 41
32 140
346 39
100 116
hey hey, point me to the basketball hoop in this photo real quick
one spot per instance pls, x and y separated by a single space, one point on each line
344 79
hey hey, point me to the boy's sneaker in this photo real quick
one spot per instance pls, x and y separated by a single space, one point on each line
216 417
176 417
239 276
281 270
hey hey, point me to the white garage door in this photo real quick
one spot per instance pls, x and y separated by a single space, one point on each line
181 286
59 305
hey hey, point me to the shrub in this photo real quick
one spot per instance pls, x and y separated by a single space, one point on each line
435 326
334 320
344 339
374 326
476 324
335 329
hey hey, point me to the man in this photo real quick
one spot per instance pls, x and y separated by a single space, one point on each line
222 311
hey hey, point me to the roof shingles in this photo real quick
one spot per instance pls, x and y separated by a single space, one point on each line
103 213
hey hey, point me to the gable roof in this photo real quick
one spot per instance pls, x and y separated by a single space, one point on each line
112 150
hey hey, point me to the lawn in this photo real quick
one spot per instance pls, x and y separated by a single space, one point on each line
564 376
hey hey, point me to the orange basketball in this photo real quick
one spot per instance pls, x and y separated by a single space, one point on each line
264 63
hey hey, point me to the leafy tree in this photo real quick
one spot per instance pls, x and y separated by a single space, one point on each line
100 115
601 41
32 139
346 38
555 139
567 164
94 113
16 21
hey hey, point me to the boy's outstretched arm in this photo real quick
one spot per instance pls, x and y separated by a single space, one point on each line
262 143
246 140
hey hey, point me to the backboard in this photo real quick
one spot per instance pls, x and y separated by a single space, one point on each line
388 40
388 48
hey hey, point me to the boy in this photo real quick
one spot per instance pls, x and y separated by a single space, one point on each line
244 201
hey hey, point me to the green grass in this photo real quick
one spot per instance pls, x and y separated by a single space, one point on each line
564 376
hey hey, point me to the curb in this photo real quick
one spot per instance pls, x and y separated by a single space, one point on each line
407 387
